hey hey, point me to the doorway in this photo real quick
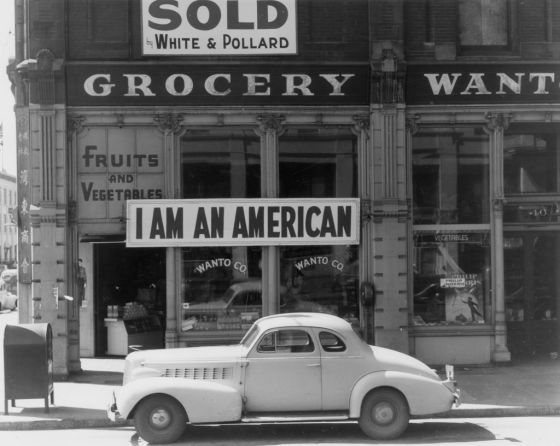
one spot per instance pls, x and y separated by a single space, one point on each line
532 287
125 278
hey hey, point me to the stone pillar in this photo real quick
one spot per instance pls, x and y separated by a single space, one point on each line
46 206
269 129
390 206
74 126
496 124
171 126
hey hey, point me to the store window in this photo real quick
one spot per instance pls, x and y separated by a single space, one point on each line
221 286
319 163
451 176
484 25
530 161
221 164
451 277
451 259
221 289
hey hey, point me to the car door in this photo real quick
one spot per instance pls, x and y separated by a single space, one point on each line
283 372
341 367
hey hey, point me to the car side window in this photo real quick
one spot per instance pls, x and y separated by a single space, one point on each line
286 341
331 342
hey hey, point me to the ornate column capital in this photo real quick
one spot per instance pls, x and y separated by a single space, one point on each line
270 123
412 123
75 124
361 123
497 121
169 122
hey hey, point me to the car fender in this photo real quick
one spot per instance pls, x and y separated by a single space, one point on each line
204 401
424 395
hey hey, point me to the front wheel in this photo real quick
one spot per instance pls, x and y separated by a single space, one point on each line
384 414
160 419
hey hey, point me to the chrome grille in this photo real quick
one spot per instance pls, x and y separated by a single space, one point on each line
205 373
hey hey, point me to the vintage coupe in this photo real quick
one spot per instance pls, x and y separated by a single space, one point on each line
288 367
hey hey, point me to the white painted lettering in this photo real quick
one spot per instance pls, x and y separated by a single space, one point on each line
143 86
476 83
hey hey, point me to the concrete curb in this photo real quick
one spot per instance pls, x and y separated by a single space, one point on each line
491 412
60 424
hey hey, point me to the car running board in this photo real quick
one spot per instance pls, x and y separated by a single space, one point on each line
298 417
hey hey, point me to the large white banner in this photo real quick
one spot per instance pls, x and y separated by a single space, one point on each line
242 222
218 27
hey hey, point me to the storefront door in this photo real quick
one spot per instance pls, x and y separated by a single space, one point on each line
532 286
129 298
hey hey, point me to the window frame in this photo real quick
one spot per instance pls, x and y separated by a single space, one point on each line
512 36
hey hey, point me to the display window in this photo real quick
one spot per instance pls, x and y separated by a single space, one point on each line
221 288
451 261
451 277
531 160
220 164
450 175
321 279
318 163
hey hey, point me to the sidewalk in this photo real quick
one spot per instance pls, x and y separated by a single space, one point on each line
528 389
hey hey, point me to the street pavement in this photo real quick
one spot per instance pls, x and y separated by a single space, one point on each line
513 389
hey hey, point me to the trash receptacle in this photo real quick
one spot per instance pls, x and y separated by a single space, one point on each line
28 363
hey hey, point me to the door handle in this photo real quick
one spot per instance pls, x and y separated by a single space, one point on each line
314 365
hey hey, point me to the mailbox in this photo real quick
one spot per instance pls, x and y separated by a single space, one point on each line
28 363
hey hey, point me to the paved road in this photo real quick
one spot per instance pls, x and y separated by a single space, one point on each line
523 431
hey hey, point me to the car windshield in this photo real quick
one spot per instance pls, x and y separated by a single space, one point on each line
250 336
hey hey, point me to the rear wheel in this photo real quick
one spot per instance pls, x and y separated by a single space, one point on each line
384 414
160 419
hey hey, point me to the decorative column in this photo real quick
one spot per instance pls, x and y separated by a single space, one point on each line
269 130
172 127
412 128
74 126
361 128
495 127
390 209
46 206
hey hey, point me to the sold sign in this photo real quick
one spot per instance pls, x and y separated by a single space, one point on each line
218 27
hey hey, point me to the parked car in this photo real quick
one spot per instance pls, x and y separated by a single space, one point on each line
8 289
309 365
242 304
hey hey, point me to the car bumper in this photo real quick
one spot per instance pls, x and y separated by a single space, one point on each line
455 391
112 410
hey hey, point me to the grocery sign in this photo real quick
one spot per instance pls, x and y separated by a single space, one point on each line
242 222
218 27
180 84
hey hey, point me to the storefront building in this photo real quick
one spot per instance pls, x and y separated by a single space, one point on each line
195 165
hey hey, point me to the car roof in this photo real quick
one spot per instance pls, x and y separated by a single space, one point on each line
317 320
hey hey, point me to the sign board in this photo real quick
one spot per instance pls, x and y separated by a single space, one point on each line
221 85
218 27
116 165
482 83
243 222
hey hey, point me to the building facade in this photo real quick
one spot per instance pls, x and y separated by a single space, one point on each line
193 165
8 228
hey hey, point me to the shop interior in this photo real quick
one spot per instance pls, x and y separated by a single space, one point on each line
129 289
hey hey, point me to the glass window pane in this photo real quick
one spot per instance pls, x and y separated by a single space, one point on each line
483 22
320 279
450 176
221 164
451 277
318 163
530 163
221 288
